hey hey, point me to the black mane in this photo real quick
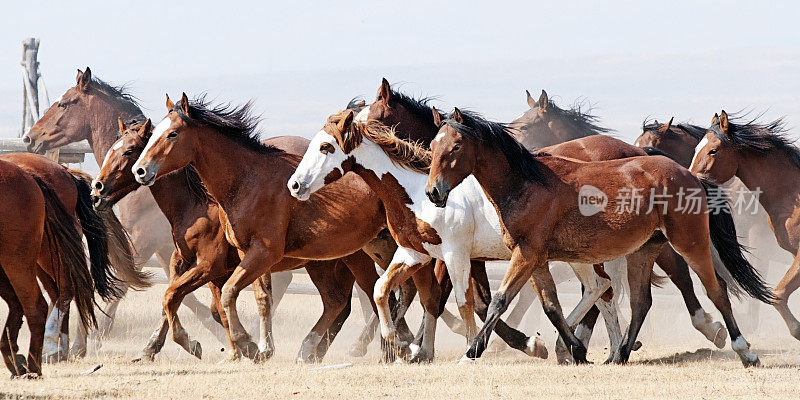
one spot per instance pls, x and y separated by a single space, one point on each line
694 131
356 104
761 138
237 123
418 107
119 92
585 121
521 161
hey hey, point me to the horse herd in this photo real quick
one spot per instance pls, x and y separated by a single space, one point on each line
425 195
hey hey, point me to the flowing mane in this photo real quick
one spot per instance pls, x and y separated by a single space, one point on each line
406 154
584 121
761 138
120 93
694 131
521 161
418 107
237 123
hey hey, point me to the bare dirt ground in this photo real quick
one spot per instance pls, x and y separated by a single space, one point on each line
675 361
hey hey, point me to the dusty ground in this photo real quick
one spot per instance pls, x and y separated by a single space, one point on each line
675 361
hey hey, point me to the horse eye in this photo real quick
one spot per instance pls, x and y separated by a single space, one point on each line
62 105
710 152
127 153
172 134
326 148
457 147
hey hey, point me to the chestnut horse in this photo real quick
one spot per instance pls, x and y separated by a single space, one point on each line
678 141
89 111
537 198
41 238
764 158
200 239
271 230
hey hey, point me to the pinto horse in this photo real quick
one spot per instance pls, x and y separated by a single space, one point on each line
204 256
271 230
537 198
89 111
764 158
45 243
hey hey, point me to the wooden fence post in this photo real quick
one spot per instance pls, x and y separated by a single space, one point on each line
30 94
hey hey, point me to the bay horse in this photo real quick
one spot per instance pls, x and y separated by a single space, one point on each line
107 242
395 170
764 158
414 119
678 141
89 111
42 239
203 254
271 230
536 197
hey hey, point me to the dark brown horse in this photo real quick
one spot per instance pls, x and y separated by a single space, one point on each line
89 111
271 230
764 158
41 238
203 254
537 197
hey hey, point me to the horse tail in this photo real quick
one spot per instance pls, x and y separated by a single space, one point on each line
109 245
67 253
723 237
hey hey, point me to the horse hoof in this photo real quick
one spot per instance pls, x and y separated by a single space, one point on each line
466 360
196 349
263 356
563 355
248 349
27 375
357 350
721 335
420 356
636 346
54 357
536 348
579 355
21 364
751 363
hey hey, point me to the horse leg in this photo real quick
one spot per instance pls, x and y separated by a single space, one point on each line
156 341
788 284
334 283
404 264
34 307
533 347
595 285
331 333
430 297
262 293
459 268
525 299
446 286
280 284
678 272
54 349
8 339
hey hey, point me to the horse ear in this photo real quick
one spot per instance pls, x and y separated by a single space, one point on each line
665 127
543 101
385 91
121 125
344 123
437 117
458 116
723 122
83 79
531 101
170 104
184 104
145 131
669 124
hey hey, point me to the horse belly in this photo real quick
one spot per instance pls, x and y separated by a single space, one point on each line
595 240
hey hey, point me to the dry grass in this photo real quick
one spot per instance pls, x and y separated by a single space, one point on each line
674 362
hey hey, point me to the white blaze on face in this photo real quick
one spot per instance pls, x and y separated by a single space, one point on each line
117 145
159 131
315 165
439 137
363 115
697 151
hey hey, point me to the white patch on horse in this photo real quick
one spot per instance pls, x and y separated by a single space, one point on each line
363 114
117 145
159 131
439 137
697 151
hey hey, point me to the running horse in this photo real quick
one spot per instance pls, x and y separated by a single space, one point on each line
204 255
764 158
536 196
89 111
271 230
46 210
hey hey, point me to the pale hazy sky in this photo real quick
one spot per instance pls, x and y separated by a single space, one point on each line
304 60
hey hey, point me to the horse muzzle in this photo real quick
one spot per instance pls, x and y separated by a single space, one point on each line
146 174
438 193
299 190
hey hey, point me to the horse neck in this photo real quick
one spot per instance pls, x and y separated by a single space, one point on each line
495 176
388 180
174 197
776 176
103 127
417 131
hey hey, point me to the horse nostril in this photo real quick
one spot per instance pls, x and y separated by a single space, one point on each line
26 139
296 186
99 186
435 192
140 172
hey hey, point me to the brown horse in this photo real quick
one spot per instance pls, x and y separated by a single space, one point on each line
107 243
89 111
764 158
271 230
41 238
678 141
203 254
537 197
